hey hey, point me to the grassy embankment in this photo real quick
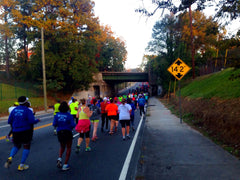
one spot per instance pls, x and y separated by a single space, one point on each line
222 85
8 97
211 104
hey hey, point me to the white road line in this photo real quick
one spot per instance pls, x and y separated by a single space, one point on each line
130 152
75 135
4 126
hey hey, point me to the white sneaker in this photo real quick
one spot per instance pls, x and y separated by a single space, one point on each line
65 167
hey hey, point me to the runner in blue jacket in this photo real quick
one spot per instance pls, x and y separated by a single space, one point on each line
21 119
64 122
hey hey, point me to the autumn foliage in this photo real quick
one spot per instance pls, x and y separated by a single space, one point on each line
76 45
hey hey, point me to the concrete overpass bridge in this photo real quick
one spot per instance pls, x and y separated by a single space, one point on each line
118 77
106 83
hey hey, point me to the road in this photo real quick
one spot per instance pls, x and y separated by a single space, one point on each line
105 161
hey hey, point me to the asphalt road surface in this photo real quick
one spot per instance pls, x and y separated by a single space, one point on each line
111 158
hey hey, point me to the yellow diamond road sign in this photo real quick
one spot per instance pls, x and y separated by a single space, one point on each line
179 69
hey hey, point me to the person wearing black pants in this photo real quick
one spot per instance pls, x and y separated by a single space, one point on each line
141 104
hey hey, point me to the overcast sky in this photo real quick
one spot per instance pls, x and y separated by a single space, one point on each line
132 27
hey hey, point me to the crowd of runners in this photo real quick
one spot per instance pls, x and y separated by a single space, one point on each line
82 116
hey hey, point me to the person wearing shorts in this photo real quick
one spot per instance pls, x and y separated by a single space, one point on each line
95 118
21 119
73 109
64 122
84 123
112 110
124 117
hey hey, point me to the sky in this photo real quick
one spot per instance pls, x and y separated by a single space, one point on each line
134 28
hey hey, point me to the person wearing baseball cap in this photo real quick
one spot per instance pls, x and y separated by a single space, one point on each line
22 120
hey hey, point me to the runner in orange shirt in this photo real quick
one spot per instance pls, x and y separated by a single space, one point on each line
112 110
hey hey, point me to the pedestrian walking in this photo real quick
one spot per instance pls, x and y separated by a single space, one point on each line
104 116
124 117
83 126
95 118
112 110
9 111
64 122
22 120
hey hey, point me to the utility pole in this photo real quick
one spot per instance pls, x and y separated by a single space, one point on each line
192 44
44 72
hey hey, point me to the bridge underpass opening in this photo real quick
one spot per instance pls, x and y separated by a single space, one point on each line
115 79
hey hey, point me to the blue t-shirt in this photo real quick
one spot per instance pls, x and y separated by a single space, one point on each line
133 108
21 118
141 101
63 121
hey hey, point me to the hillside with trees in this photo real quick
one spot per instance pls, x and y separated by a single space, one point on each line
198 40
76 45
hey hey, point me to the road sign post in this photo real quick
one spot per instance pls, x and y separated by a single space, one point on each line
179 69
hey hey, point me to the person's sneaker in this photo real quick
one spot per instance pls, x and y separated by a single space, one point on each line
22 167
55 132
77 149
8 162
7 138
59 163
88 149
124 138
65 167
128 136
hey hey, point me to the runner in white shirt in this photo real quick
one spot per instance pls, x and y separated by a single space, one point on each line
124 117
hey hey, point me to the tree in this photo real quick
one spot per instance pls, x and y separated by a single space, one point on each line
75 43
70 46
231 8
171 39
112 52
6 30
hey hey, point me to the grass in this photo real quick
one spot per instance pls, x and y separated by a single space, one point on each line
8 91
221 84
37 103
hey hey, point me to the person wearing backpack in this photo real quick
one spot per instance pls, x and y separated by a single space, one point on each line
95 118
